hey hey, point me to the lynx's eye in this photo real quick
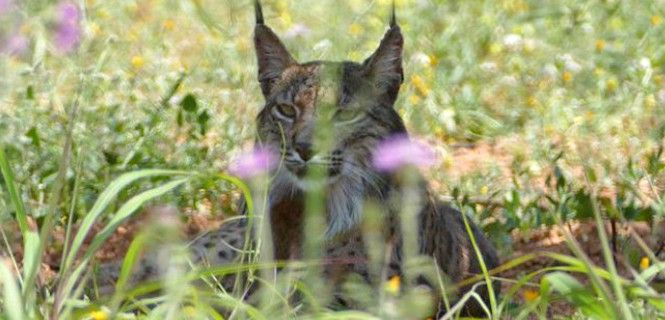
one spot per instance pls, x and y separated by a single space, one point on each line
347 116
285 112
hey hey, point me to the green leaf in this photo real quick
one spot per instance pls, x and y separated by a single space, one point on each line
577 294
582 205
173 90
30 93
658 304
34 137
189 103
202 120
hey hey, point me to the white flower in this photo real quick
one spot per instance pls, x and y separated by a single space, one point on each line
488 66
509 80
645 63
323 45
447 118
513 41
570 64
587 28
421 58
550 70
175 99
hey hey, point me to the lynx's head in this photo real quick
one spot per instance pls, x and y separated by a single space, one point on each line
329 115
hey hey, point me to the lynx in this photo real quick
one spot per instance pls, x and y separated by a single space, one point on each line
349 105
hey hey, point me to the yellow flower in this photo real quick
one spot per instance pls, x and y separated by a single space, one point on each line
414 99
420 85
495 48
286 18
433 60
355 29
600 45
103 14
484 190
189 311
132 35
616 23
98 315
137 62
644 263
656 20
448 162
94 29
169 24
658 79
612 84
355 55
530 295
518 6
398 3
242 44
392 286
567 76
439 133
532 102
650 101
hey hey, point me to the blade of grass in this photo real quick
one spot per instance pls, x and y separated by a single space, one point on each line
483 267
609 261
10 253
14 197
53 213
72 208
127 210
31 253
105 199
123 213
130 260
11 295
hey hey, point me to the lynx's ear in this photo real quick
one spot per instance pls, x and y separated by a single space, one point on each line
271 54
384 66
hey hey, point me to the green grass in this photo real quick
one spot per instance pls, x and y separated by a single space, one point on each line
573 91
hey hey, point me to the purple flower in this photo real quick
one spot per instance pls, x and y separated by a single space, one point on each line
5 5
259 160
399 151
16 45
68 31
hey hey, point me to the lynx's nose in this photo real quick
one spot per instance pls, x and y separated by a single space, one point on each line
304 150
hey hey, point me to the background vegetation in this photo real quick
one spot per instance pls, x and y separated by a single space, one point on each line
562 103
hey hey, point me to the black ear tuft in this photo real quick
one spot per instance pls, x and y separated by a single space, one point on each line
258 12
393 17
384 66
271 55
